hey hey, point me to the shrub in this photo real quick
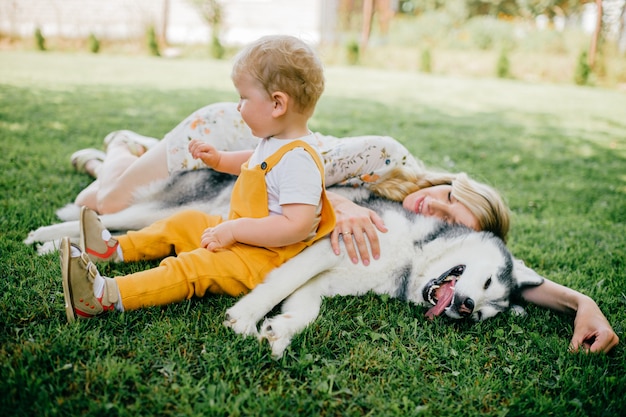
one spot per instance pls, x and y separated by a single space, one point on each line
353 52
426 61
40 41
94 44
153 45
217 49
583 70
503 66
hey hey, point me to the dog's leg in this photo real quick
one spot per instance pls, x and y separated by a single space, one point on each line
133 218
298 311
53 232
53 245
278 285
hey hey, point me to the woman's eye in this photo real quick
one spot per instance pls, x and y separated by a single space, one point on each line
450 196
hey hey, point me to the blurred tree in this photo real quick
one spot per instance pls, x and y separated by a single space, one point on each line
164 21
595 39
621 31
151 39
582 72
213 12
94 43
493 8
503 65
426 61
40 40
528 9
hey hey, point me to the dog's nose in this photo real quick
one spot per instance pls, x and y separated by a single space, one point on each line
467 307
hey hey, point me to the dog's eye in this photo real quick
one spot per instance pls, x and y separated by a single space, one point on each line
487 284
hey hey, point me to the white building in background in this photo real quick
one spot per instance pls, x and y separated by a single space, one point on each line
180 20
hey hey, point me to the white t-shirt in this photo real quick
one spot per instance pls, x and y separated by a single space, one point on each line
295 179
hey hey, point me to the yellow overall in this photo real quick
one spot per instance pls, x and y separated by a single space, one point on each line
196 270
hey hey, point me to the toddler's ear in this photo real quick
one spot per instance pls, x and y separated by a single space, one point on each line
280 103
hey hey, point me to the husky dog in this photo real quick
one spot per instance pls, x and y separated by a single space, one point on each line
453 269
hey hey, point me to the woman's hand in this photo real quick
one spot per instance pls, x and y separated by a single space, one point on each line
592 331
357 225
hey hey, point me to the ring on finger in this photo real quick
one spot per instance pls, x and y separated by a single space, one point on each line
346 235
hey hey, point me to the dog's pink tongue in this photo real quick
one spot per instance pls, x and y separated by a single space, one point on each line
445 294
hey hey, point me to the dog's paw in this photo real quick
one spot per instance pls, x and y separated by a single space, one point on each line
239 324
277 333
31 239
518 310
48 247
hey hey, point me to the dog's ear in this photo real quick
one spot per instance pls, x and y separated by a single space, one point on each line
523 276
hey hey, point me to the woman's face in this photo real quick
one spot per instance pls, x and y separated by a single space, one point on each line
439 201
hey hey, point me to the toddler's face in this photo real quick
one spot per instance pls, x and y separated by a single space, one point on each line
255 105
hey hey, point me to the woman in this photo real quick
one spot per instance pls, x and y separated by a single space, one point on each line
380 164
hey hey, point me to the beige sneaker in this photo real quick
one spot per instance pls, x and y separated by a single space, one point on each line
95 239
79 159
78 278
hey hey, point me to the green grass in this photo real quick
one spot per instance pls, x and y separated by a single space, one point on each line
556 152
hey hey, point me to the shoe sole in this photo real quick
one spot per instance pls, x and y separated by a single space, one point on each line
65 271
82 242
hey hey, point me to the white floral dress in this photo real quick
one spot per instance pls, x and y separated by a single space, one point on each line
356 161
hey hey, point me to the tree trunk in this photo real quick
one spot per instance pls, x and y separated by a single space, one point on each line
164 21
621 32
368 16
593 49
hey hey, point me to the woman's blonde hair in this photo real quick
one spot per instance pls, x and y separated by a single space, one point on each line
284 63
483 201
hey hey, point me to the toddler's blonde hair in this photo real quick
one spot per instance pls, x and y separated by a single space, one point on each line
284 63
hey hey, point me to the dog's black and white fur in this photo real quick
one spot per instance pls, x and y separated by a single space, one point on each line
452 269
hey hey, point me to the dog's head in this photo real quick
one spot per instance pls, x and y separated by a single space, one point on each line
476 278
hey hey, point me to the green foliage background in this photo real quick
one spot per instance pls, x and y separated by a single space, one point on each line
556 153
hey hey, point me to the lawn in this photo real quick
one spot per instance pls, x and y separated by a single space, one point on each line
557 153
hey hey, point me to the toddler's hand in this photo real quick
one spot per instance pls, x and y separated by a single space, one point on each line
218 237
205 152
